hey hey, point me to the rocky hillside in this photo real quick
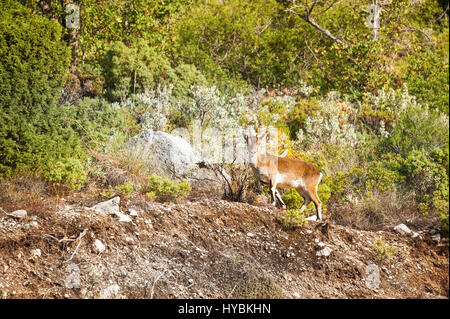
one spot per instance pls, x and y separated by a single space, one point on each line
205 248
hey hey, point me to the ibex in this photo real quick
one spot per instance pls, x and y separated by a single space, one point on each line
280 172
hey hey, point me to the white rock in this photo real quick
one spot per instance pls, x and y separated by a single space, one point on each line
21 213
110 292
99 246
167 152
324 252
436 237
123 217
36 253
108 207
34 223
172 156
321 244
250 235
133 212
312 218
372 278
415 235
296 295
402 229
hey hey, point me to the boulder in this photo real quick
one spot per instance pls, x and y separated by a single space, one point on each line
172 157
21 213
123 217
402 229
110 292
99 246
171 154
324 252
133 212
109 207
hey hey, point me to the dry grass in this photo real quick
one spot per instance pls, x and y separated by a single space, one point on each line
380 210
118 167
25 190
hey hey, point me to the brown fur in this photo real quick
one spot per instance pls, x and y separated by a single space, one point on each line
280 172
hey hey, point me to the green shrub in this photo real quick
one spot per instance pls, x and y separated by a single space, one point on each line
34 133
183 77
324 193
126 188
66 171
292 218
95 120
164 189
130 70
427 77
417 128
292 199
303 109
429 178
384 250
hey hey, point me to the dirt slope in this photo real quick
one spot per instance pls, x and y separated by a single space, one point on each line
205 249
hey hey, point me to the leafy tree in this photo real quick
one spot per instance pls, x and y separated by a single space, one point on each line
34 134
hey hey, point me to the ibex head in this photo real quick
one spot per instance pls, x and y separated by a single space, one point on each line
253 141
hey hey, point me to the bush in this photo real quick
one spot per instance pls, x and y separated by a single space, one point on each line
427 78
129 70
96 120
185 76
292 218
292 199
384 250
418 128
429 178
66 171
165 189
34 133
330 125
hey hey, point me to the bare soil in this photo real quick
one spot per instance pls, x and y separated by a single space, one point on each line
203 248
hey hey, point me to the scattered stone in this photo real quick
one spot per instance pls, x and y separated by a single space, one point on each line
123 217
133 212
324 252
436 237
312 218
250 235
110 292
402 229
372 278
36 253
21 213
415 235
296 295
99 246
129 239
108 207
321 244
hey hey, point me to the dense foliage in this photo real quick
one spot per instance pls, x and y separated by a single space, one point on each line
371 110
34 134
